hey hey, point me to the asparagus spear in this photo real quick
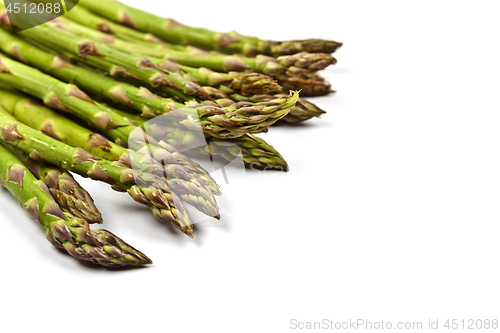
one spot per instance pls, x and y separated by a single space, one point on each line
144 188
247 84
302 111
308 85
300 63
63 230
215 120
174 32
70 196
85 17
256 152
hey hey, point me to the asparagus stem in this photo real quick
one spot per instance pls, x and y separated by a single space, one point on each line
174 32
63 230
300 63
247 84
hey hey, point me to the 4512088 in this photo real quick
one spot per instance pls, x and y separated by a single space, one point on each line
33 8
471 324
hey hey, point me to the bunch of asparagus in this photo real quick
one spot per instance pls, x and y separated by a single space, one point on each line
79 92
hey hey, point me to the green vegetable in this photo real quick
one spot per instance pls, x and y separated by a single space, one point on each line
302 111
309 85
174 32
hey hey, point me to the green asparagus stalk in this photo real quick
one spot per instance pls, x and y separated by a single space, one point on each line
300 63
176 33
31 113
163 54
70 196
215 120
297 64
256 153
247 84
309 85
85 17
144 188
63 230
302 111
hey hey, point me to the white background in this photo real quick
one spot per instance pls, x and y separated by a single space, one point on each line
390 210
